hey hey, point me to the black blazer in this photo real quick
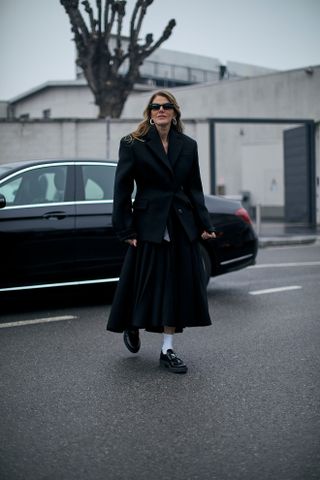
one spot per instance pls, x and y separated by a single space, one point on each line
162 181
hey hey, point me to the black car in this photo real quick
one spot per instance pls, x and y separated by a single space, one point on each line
55 227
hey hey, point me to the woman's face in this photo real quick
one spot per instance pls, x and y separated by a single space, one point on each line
162 117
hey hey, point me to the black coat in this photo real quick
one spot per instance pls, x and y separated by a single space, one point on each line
162 181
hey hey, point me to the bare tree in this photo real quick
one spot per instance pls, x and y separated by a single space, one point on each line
99 61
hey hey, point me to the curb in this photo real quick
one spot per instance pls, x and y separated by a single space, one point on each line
284 241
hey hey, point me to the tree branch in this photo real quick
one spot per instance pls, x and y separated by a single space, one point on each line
89 11
143 11
106 13
141 5
133 19
109 24
99 7
77 22
148 41
121 11
165 35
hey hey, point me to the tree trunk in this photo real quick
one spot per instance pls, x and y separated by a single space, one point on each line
111 101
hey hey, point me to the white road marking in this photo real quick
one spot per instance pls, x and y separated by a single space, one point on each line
290 264
292 247
275 290
37 320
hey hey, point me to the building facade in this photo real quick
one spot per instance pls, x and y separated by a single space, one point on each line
241 123
163 69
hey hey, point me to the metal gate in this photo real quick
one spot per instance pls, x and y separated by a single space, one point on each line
299 175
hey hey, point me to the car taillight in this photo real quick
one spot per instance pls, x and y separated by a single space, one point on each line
244 215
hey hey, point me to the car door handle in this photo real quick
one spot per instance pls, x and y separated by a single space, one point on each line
55 215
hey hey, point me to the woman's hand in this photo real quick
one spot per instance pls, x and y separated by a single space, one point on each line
133 242
207 236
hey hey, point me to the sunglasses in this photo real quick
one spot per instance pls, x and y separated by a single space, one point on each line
165 106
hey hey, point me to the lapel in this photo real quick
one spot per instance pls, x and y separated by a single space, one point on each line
153 142
175 146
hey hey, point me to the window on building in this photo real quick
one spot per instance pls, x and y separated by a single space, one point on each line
46 113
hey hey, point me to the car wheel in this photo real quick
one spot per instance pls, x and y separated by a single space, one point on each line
206 263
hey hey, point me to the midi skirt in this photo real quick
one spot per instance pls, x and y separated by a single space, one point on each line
161 285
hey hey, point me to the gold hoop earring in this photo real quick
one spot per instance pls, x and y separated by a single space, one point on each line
151 121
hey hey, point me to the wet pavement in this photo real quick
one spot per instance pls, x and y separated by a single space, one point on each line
281 233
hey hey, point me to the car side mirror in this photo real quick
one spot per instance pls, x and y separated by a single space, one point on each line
3 201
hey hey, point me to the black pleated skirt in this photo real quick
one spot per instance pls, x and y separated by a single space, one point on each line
161 285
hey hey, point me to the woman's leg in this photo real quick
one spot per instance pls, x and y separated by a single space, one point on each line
169 330
168 358
168 333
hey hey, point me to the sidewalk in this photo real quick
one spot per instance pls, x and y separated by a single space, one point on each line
281 234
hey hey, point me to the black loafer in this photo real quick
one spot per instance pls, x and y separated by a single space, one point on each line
172 362
132 340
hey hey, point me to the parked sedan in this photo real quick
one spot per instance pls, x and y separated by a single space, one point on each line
56 230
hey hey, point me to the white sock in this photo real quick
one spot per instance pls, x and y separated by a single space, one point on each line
167 342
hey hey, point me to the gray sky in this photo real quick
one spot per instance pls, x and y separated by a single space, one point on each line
36 46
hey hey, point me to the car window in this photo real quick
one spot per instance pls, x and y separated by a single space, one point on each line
98 181
35 186
9 189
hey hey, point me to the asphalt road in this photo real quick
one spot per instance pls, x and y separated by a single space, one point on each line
75 404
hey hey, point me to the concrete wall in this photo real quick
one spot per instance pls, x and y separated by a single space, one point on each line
291 94
74 99
3 109
63 102
53 139
249 157
243 150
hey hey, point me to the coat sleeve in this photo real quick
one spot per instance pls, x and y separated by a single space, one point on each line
195 194
122 218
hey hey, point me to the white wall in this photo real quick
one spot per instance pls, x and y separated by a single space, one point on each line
64 102
3 109
262 174
291 94
53 139
234 142
248 161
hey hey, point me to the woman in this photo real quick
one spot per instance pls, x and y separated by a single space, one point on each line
162 282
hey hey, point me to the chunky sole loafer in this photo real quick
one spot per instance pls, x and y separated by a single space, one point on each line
172 362
131 340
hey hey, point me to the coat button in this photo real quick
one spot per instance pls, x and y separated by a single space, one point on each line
180 210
